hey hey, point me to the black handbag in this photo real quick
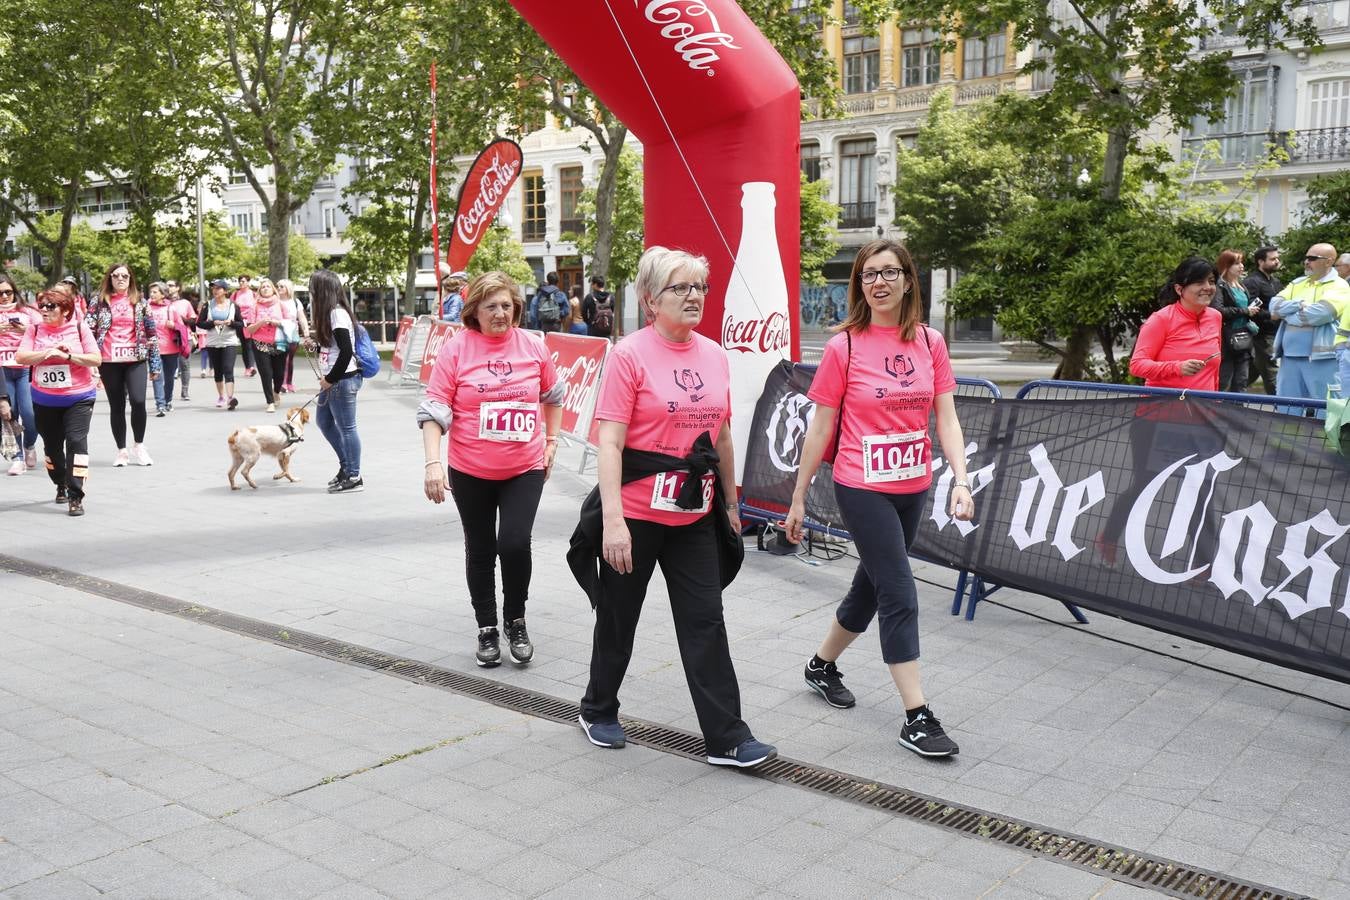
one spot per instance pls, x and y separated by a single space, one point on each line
1240 341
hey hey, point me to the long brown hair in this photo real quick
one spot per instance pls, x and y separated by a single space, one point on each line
911 303
105 287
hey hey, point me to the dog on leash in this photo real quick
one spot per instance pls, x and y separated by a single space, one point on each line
247 445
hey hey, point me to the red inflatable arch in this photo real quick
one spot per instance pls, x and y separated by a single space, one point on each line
718 113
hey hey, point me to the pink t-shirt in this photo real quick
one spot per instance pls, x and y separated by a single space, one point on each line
60 378
263 310
667 393
9 340
492 386
168 328
119 344
245 300
883 442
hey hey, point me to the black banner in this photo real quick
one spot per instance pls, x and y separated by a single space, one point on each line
1209 520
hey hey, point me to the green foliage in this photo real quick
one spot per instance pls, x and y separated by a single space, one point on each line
27 278
500 252
626 241
301 258
818 233
379 245
1329 198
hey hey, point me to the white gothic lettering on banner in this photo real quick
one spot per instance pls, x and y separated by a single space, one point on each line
786 431
942 490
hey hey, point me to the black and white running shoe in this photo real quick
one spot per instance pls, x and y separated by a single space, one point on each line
828 682
924 735
518 641
489 650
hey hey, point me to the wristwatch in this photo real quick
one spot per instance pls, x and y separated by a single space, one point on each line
964 484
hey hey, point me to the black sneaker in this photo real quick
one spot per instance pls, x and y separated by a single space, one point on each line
489 651
924 735
518 640
76 508
336 478
747 753
61 496
348 485
828 682
609 735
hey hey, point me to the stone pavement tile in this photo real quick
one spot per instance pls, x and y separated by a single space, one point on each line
356 857
1279 876
473 851
295 879
122 867
351 891
312 836
645 867
1218 832
69 849
1139 812
1297 852
424 830
18 866
268 818
829 878
528 827
584 805
1061 793
937 880
58 886
590 886
332 797
999 778
1044 878
1183 850
170 884
233 864
157 822
49 771
584 848
707 883
379 813
1120 832
417 876
532 872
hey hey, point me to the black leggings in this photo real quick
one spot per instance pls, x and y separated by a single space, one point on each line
65 443
479 501
123 382
268 369
222 363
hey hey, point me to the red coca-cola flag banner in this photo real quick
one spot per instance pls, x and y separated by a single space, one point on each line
578 360
718 113
480 196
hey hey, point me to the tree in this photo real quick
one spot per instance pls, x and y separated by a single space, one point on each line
626 227
225 251
1327 221
282 101
500 252
818 242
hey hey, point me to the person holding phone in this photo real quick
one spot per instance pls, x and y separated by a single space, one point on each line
15 319
1179 345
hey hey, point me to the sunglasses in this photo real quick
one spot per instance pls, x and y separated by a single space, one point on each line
48 306
6 292
1311 258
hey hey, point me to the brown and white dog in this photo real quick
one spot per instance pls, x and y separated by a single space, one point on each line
247 445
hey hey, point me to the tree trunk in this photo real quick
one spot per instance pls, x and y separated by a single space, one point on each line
1108 342
146 216
605 190
415 243
279 237
1074 363
1113 167
58 264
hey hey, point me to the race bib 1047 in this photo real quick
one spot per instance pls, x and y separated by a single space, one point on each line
667 488
894 457
508 421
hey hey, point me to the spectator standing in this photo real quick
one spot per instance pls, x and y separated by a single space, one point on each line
549 305
597 309
262 330
1179 345
184 304
1343 266
16 317
486 391
1308 310
122 325
1238 329
1262 285
335 334
452 307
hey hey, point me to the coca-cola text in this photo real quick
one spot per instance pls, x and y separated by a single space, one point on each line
697 48
770 335
469 223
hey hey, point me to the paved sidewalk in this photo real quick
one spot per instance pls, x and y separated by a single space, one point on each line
1107 730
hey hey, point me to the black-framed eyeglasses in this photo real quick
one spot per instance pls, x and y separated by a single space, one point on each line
1311 258
6 292
682 289
121 275
890 273
48 306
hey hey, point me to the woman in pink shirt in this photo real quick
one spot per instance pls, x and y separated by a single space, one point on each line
486 390
261 324
881 378
64 356
1179 345
665 405
15 319
170 331
297 328
121 322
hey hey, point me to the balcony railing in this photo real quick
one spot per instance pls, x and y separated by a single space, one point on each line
858 215
1319 145
1328 14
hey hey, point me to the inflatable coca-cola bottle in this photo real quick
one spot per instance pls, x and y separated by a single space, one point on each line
756 330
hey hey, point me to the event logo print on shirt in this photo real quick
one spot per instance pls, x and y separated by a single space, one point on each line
900 367
501 368
689 381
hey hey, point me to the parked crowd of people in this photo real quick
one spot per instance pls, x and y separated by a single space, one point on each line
61 350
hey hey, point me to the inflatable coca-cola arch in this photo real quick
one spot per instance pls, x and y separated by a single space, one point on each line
718 113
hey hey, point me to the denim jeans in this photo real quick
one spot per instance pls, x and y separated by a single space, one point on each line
21 402
167 381
337 421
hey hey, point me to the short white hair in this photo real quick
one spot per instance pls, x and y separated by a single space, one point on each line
1343 259
659 264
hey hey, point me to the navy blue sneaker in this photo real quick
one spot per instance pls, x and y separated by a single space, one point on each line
609 735
747 753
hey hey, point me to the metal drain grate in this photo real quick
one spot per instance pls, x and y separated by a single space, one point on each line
1108 860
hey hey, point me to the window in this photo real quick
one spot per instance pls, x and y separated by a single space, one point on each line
330 220
984 55
536 223
569 193
1244 130
921 55
862 64
238 177
242 222
802 10
858 183
852 15
263 222
811 161
1329 104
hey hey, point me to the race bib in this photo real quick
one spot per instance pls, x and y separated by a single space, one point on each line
667 488
7 355
122 353
52 378
508 421
323 359
894 457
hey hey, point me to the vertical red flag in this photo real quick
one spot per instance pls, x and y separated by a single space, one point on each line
480 196
435 195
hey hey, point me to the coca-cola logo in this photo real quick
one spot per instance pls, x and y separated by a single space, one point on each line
698 48
770 335
580 378
469 223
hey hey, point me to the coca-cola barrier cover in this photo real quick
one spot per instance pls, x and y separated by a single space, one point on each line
718 114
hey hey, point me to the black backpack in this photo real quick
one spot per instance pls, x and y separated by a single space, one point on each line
603 323
548 310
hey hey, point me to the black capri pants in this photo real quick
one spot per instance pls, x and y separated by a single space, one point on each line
498 517
222 363
65 443
883 527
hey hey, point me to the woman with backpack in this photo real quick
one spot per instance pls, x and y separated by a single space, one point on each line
597 309
335 335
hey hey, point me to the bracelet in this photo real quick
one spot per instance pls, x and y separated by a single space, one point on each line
434 462
964 484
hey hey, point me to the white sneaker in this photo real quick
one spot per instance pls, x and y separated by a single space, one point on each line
140 456
18 468
30 457
271 407
122 458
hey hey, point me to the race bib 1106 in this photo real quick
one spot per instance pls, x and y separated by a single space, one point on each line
508 421
894 457
667 488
